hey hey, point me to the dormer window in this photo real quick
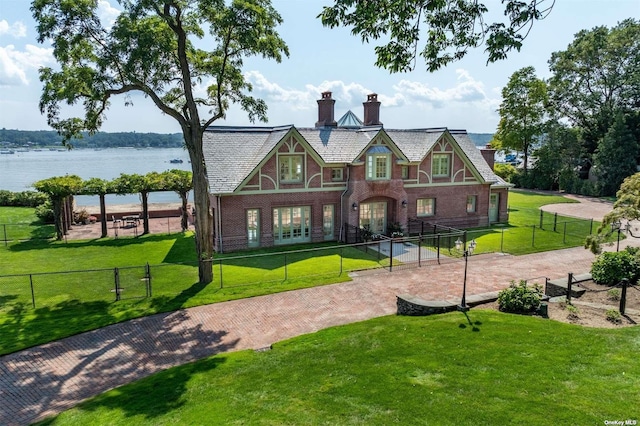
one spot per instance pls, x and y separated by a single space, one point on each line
379 163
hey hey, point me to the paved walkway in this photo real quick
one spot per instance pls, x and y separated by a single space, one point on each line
45 380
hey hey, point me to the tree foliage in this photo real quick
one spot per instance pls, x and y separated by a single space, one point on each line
153 48
448 28
522 112
558 158
597 76
626 209
616 156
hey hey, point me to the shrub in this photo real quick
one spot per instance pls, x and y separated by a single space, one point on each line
505 171
520 298
613 294
573 312
614 316
22 199
45 212
610 268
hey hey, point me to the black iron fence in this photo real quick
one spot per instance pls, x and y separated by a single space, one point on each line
293 268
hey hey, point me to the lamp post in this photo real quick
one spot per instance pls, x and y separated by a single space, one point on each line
617 226
463 307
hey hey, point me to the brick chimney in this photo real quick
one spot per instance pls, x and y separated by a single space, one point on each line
489 155
325 111
372 110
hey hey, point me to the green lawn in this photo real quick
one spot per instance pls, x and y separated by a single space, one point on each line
523 235
488 368
21 223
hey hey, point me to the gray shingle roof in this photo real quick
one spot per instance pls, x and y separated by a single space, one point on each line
232 153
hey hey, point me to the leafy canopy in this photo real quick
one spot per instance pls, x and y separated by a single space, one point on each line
449 28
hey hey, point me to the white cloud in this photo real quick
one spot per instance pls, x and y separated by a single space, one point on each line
347 95
466 90
15 65
16 30
107 13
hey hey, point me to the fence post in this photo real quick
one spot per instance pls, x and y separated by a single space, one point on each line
116 276
378 250
390 255
502 240
546 285
591 227
341 257
623 296
285 267
419 252
5 234
569 283
533 236
555 221
438 249
220 273
564 234
541 219
148 272
33 294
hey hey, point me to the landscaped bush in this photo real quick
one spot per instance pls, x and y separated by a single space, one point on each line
45 212
520 298
610 268
22 199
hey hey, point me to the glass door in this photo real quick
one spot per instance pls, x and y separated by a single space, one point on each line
375 216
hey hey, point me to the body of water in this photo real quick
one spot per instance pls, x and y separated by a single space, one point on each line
20 170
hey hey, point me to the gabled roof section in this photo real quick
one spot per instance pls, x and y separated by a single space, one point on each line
231 153
474 155
350 121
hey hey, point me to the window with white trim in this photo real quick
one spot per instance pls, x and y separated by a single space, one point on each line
291 225
441 165
336 175
379 163
405 172
253 227
471 203
291 168
327 221
426 206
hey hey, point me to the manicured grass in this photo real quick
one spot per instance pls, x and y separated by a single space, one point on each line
523 234
487 368
21 223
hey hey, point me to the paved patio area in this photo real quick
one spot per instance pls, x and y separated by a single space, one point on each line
45 380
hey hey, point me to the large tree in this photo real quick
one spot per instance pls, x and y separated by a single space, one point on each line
615 158
557 158
448 28
153 48
522 112
597 76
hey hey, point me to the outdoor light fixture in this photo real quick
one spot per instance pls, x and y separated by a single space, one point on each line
463 307
354 206
404 204
617 226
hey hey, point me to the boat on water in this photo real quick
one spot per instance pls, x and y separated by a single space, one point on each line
176 161
7 151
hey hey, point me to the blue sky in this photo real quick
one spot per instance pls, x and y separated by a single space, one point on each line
464 95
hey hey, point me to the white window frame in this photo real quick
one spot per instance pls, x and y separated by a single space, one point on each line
472 202
253 229
336 174
287 168
405 172
328 221
374 168
441 165
425 207
285 230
